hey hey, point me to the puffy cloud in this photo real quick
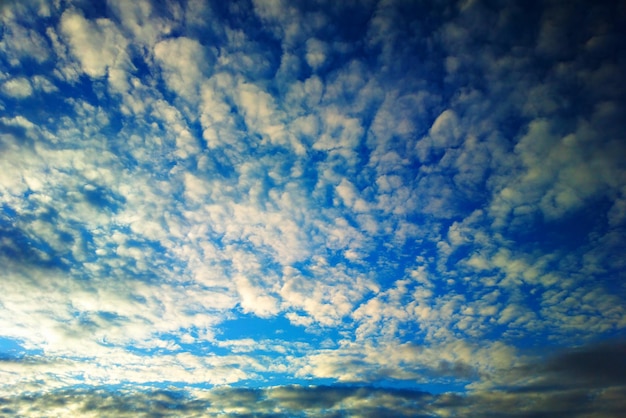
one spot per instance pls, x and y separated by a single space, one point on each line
254 299
98 45
21 43
184 63
142 20
18 88
262 116
373 193
445 131
316 53
289 24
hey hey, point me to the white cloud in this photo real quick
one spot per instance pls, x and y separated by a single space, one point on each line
287 23
560 173
445 131
98 45
350 197
43 84
316 53
184 63
20 42
262 116
140 18
18 88
340 135
327 297
218 123
255 299
272 168
303 97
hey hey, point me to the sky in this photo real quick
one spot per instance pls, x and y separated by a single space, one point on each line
275 208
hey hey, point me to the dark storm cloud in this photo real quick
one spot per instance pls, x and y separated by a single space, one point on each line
290 401
574 383
585 381
596 366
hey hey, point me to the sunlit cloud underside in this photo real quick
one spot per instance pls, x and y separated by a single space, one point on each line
312 208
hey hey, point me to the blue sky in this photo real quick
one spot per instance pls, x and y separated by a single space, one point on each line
312 208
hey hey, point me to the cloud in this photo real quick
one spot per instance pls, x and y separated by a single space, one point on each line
445 131
142 20
184 63
218 123
593 366
18 88
22 43
278 401
419 206
573 382
316 53
98 45
326 300
287 23
259 111
254 300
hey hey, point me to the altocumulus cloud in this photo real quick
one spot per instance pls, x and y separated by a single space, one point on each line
273 208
